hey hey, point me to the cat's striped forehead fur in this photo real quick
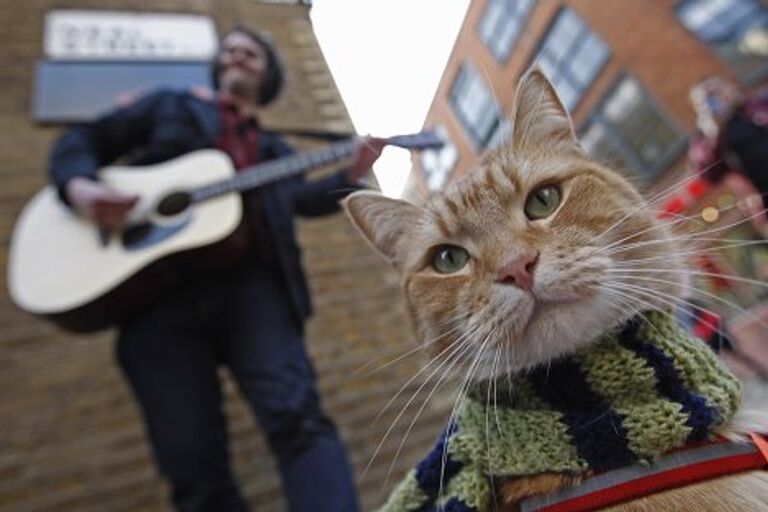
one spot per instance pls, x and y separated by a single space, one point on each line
573 296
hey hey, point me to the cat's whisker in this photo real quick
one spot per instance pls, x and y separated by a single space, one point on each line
494 378
496 392
715 327
623 307
688 311
738 279
462 349
457 348
690 237
709 249
416 375
674 188
510 352
468 378
461 395
645 204
419 348
681 219
624 242
389 363
627 304
426 400
489 383
623 290
659 295
659 196
694 236
630 299
675 219
737 222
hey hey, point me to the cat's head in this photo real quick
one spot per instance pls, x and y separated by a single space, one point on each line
535 253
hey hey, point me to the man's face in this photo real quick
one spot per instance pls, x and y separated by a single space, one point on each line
242 65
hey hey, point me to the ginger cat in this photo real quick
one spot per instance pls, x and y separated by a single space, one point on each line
532 257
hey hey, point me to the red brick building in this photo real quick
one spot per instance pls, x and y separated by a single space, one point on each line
624 69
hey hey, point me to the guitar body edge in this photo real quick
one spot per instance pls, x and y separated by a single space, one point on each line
137 294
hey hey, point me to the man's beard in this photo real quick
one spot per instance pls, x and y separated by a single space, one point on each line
241 87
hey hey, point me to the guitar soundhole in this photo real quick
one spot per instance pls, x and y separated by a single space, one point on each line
174 204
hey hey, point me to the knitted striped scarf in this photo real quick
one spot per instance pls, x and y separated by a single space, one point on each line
627 398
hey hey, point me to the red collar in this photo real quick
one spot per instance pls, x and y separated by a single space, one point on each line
677 469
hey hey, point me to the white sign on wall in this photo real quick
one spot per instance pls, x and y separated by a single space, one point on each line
112 35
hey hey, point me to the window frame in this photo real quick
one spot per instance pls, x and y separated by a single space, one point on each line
479 140
448 170
635 167
750 78
570 53
518 16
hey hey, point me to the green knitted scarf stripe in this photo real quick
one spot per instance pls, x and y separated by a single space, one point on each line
407 496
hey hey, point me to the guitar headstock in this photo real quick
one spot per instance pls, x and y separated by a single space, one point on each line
428 139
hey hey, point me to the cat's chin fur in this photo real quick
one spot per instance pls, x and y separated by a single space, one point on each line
554 330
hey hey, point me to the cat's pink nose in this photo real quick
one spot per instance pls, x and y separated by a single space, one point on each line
519 272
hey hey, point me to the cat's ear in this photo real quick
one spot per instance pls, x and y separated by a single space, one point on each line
540 119
384 222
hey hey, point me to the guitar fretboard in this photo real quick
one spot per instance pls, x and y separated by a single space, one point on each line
268 172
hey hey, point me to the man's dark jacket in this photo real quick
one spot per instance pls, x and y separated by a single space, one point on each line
167 124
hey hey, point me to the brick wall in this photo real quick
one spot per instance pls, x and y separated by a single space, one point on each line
70 435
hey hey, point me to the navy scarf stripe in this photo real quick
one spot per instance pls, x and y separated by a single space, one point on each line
596 429
669 384
435 467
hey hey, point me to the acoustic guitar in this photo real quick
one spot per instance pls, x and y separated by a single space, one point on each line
63 267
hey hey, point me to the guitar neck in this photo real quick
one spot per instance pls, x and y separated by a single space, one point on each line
257 175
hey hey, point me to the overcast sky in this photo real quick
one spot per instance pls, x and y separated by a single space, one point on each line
387 57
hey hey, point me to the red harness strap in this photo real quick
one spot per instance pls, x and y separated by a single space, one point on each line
675 469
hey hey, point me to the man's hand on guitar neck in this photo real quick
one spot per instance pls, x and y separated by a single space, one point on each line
366 153
105 206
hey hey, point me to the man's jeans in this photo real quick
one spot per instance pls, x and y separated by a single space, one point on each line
170 355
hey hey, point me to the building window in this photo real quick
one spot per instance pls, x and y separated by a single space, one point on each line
501 24
474 106
737 30
437 165
629 131
571 55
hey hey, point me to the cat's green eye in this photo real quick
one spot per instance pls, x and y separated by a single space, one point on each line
542 202
449 259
